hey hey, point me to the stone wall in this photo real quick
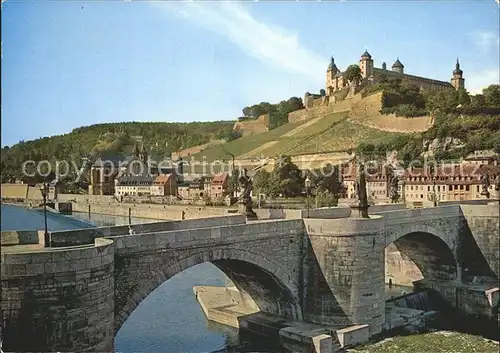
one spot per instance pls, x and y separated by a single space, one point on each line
59 301
253 126
345 258
316 111
483 223
400 269
78 198
171 212
21 237
87 236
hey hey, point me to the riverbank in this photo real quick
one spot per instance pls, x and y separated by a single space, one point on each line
435 342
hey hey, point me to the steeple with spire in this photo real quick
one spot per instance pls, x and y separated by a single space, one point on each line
457 81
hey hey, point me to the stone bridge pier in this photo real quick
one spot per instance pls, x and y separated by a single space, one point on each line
344 272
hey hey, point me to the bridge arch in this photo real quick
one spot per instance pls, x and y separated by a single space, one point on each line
425 249
277 292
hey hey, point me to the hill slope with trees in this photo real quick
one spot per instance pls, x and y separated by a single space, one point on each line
161 139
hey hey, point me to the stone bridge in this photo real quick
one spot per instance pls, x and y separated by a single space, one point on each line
327 269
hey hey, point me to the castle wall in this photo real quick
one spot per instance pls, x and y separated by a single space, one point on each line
416 80
319 110
253 127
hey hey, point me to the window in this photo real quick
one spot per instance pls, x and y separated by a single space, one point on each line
421 196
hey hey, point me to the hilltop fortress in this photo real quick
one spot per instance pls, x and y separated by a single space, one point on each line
340 94
335 79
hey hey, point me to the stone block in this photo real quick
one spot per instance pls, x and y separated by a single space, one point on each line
353 335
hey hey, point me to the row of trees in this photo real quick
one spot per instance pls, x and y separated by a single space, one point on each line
278 113
287 180
408 100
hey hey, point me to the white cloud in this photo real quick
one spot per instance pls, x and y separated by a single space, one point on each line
486 41
476 81
270 44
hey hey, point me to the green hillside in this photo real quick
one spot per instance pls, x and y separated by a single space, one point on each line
329 133
160 139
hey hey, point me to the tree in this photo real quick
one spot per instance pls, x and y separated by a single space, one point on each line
463 97
443 99
232 186
247 112
286 178
353 73
492 96
326 179
478 101
261 181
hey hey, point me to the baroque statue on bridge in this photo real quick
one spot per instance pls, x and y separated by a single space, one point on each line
497 185
246 185
245 201
394 194
362 196
485 182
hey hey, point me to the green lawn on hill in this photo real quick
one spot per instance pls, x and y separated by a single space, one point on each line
331 133
341 137
244 144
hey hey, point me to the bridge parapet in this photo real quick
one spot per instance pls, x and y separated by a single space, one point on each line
86 236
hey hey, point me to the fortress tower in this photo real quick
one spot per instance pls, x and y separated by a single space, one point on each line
457 81
366 64
398 67
331 72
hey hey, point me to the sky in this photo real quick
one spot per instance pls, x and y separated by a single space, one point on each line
70 64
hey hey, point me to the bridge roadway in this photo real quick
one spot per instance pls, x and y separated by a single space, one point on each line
327 269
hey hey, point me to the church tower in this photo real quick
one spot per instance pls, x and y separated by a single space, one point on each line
457 81
366 64
330 76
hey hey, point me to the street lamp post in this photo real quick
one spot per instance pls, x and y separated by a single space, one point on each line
308 185
44 188
235 183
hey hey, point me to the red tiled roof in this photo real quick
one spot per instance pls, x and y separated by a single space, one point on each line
162 179
219 178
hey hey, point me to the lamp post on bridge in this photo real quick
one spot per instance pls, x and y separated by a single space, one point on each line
307 183
44 189
235 182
